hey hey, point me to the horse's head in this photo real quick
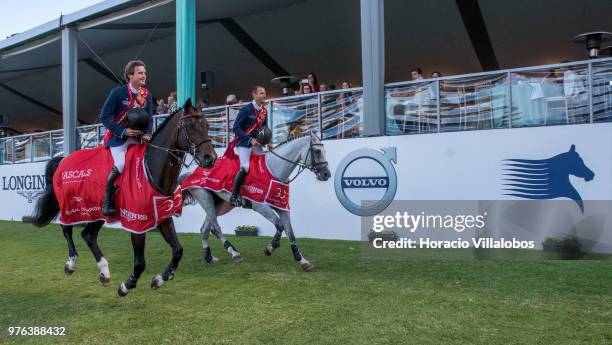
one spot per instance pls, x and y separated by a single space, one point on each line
193 136
316 160
576 165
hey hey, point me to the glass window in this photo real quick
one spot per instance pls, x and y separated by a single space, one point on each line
550 96
474 103
41 147
342 114
602 91
23 149
294 117
217 125
411 108
7 150
88 137
57 143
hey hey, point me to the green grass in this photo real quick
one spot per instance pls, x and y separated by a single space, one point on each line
269 300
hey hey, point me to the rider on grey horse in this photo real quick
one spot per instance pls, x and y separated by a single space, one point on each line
250 120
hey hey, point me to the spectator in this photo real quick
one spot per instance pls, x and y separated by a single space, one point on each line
416 74
572 82
162 107
306 89
172 106
313 82
346 85
436 74
231 99
322 87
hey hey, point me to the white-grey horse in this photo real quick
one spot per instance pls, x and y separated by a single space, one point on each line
305 152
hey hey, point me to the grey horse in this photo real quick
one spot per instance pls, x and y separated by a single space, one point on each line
305 152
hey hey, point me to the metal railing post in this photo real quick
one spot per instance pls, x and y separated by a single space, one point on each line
320 114
50 145
271 120
438 105
590 90
227 127
509 97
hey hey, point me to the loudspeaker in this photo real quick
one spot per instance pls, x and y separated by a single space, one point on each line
208 79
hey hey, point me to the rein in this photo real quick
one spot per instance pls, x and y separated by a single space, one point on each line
178 154
315 167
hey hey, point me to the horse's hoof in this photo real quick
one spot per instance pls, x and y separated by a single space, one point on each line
214 260
122 290
268 250
105 281
156 282
307 266
68 269
236 258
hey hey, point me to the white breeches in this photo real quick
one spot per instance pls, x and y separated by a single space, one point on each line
118 153
244 154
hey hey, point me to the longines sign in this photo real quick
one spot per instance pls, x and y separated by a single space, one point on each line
28 186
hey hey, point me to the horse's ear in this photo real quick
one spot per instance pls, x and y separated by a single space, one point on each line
573 148
188 105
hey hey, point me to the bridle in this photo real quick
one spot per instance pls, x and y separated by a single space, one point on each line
315 167
179 154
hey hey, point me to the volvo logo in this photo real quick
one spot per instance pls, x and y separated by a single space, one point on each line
355 173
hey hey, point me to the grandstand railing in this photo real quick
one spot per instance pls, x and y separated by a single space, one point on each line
560 94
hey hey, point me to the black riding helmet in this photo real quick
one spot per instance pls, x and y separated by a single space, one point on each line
138 119
264 135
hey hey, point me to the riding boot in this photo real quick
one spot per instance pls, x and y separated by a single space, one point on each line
235 199
108 206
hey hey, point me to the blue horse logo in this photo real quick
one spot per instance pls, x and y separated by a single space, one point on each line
546 178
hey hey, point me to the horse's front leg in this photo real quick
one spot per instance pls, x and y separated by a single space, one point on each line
267 212
168 232
138 246
286 220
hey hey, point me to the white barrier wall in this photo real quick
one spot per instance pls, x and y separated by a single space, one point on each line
447 166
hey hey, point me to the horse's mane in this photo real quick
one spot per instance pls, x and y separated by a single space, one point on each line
163 124
292 138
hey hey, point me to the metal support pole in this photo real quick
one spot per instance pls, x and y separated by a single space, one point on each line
69 88
186 50
373 66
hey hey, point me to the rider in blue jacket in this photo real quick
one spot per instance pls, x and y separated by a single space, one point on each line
251 118
114 117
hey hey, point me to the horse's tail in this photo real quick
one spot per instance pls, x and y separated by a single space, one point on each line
47 205
188 198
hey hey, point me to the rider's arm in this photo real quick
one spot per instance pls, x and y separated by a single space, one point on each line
107 114
239 124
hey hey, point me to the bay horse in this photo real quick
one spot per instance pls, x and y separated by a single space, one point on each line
184 131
